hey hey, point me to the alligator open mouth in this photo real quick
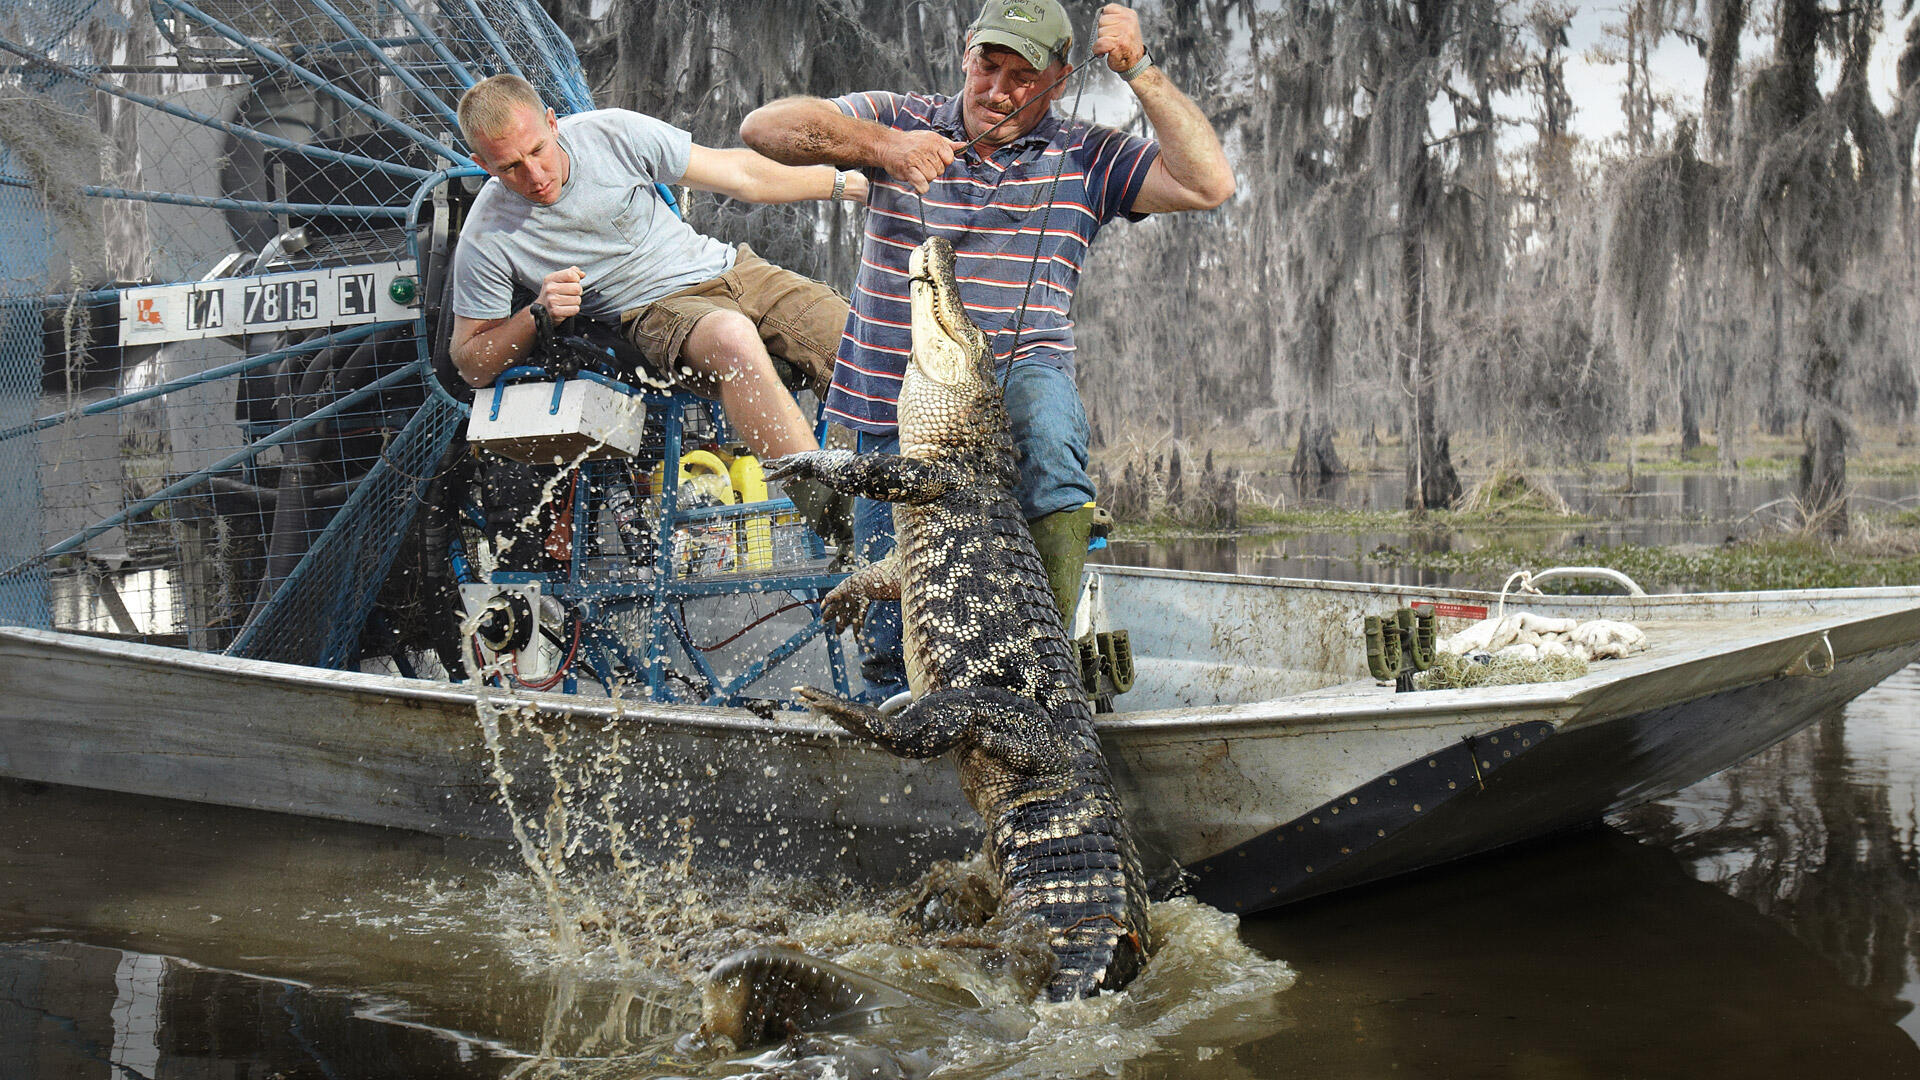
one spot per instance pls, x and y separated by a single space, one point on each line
947 347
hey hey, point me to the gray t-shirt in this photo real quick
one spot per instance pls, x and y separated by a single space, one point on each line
609 221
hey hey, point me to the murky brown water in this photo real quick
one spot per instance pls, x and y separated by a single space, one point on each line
1758 924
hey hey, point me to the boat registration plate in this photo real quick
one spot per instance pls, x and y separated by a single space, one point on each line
330 296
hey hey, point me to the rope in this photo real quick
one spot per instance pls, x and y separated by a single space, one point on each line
1046 212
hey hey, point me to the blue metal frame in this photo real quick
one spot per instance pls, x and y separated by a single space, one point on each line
661 593
319 83
595 602
238 457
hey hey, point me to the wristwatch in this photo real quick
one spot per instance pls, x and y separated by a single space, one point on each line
1132 73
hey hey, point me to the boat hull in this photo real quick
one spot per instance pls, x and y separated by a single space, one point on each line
1261 802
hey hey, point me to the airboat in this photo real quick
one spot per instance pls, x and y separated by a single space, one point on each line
248 566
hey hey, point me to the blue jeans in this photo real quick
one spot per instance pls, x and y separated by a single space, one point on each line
1050 436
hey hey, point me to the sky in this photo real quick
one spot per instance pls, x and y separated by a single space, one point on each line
1680 71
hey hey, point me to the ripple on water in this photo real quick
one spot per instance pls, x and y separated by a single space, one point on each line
629 1009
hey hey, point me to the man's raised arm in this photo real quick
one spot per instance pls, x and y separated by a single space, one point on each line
1192 172
812 131
742 174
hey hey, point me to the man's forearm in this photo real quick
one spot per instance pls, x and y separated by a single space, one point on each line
771 182
1189 148
811 131
485 354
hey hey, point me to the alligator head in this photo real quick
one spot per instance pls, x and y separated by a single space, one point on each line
949 399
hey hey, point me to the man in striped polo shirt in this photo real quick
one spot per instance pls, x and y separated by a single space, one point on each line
1021 193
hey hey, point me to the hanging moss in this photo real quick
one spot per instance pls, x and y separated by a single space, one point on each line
58 151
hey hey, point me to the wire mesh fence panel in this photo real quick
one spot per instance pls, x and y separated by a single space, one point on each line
220 258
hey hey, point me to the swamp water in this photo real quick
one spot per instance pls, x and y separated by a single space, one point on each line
1663 509
1761 922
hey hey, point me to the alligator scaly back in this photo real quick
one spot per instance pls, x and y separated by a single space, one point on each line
995 680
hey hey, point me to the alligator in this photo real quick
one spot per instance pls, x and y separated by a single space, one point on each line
764 994
995 679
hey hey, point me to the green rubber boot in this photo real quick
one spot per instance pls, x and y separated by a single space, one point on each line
1062 540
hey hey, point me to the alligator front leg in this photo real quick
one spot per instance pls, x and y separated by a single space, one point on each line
1011 729
893 478
847 602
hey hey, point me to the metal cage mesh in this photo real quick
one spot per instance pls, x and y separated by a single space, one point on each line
248 484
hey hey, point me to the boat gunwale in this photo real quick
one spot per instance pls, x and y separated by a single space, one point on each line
1492 596
1296 713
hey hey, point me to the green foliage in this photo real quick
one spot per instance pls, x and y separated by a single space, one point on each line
1771 563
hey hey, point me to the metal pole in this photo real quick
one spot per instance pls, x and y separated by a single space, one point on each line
493 38
433 41
171 109
343 337
346 27
189 483
217 203
314 80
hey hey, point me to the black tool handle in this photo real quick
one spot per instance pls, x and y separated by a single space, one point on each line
547 352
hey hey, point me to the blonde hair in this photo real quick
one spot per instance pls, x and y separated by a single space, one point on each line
487 108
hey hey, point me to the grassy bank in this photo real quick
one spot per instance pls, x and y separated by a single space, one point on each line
1513 517
1774 562
1872 452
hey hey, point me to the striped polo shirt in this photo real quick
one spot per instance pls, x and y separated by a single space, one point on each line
991 208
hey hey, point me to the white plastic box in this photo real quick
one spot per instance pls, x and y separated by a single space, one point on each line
590 418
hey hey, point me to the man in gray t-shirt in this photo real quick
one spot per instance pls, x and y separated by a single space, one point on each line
571 214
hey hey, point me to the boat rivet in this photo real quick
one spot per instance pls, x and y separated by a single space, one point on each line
1526 742
1299 828
1273 888
1309 869
1485 764
1432 764
1353 800
1416 808
1316 821
1494 739
1379 832
1451 785
1346 851
1391 782
1335 810
1506 753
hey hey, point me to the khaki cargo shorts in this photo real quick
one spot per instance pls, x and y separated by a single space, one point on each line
800 320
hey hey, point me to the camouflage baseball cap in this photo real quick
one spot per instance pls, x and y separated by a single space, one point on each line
1036 29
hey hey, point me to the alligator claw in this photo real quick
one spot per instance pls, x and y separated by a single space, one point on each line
843 607
815 698
807 464
782 468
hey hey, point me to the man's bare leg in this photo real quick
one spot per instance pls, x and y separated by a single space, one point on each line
725 348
